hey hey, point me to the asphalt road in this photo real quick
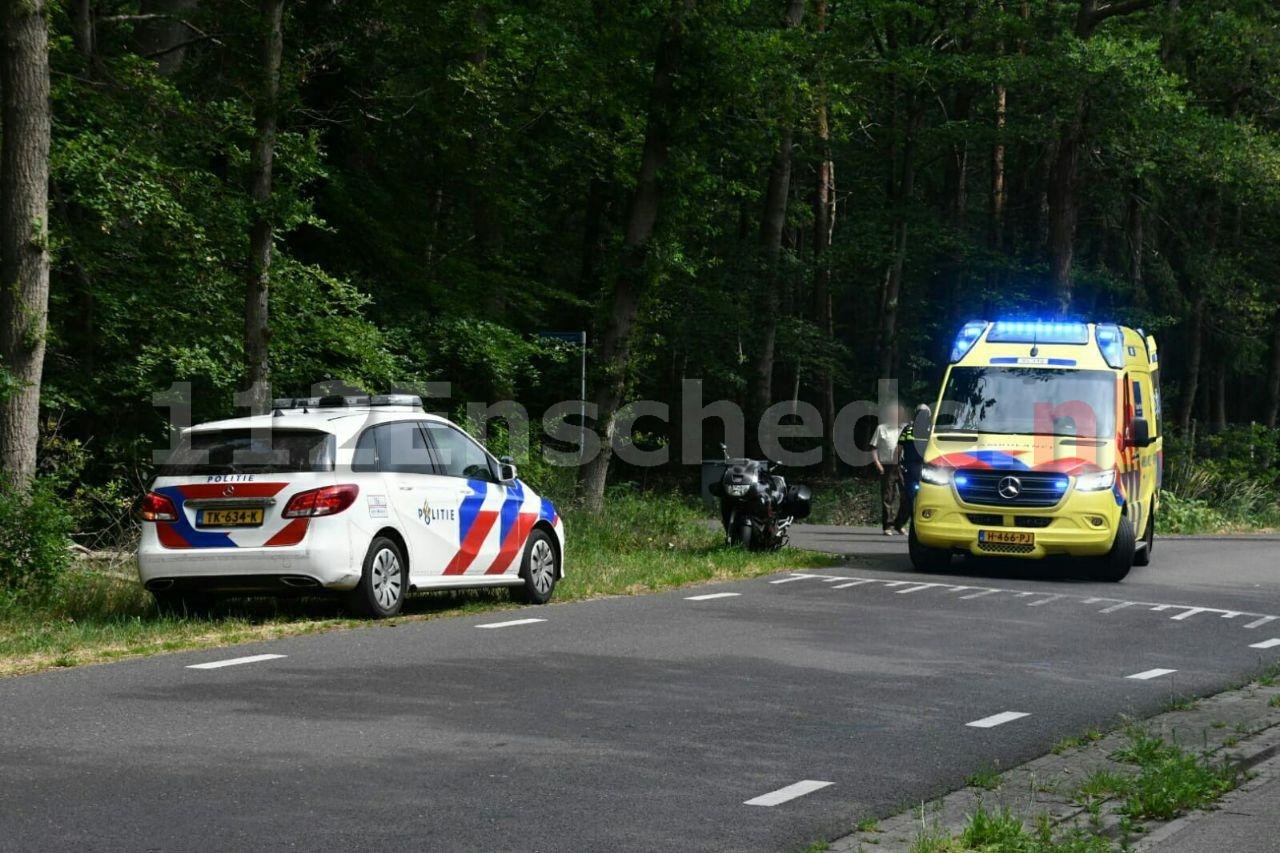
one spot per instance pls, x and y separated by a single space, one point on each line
639 723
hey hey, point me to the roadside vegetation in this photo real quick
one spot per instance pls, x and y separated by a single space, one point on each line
1151 779
73 611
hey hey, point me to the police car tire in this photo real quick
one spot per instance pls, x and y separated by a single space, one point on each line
366 598
538 588
924 558
1142 557
183 603
1115 564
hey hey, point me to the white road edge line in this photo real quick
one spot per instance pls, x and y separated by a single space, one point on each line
916 588
1266 644
849 584
782 795
709 596
1113 608
1150 674
1191 611
218 664
510 624
1257 623
979 594
1044 601
793 578
997 719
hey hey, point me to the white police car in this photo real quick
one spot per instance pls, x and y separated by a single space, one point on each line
369 496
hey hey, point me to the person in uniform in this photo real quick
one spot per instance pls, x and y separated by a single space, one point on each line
910 457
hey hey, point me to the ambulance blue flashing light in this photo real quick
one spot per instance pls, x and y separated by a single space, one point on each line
1039 332
1111 343
967 338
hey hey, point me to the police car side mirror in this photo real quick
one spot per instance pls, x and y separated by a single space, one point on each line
507 469
1141 433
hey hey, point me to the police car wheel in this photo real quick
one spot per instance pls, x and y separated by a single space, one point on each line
383 582
1142 557
540 568
1115 564
924 558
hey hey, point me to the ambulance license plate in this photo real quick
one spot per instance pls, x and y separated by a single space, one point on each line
239 517
1006 537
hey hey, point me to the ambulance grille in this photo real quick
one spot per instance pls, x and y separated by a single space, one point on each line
985 519
1034 488
1032 520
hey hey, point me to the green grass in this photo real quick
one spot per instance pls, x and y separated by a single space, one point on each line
867 824
1070 743
639 544
988 779
1002 831
1274 701
1170 780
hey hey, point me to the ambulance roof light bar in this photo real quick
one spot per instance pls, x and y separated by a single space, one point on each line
1038 332
968 336
1111 343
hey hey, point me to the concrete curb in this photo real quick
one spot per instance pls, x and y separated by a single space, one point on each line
1237 725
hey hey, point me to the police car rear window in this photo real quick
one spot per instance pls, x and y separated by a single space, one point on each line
243 451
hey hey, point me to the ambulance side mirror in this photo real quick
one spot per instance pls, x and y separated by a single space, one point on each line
507 469
1141 433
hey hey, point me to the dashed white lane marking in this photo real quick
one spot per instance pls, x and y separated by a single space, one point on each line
1191 611
916 588
851 583
1113 608
1230 614
511 623
895 583
997 719
978 594
712 595
1150 674
1266 644
1257 623
782 795
1160 608
1025 594
218 664
792 578
1093 600
1044 601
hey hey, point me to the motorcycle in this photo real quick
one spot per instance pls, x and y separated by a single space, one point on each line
756 506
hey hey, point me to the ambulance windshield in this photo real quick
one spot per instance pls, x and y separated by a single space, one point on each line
1029 401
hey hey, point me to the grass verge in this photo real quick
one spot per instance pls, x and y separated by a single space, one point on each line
639 544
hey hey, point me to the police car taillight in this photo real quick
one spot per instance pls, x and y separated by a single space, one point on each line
157 507
329 500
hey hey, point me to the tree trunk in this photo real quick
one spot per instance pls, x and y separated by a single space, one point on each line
1134 236
1219 410
257 331
24 229
1273 381
1063 210
772 223
903 189
999 198
165 38
82 28
629 280
824 223
1195 351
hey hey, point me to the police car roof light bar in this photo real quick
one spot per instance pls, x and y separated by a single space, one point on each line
338 401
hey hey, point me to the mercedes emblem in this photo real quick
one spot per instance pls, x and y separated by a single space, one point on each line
1009 488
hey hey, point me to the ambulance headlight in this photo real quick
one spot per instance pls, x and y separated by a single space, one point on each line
1096 482
936 475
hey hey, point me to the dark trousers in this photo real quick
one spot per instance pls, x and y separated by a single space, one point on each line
888 495
910 482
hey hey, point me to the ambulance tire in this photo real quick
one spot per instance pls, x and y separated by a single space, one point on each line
1142 557
383 582
183 603
1115 564
539 568
924 558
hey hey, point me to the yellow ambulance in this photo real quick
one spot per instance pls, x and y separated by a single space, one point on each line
1046 441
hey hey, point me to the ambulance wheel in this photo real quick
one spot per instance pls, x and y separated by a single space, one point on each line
924 558
383 582
540 568
183 603
1115 564
1142 557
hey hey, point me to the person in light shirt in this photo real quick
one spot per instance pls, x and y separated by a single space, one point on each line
884 452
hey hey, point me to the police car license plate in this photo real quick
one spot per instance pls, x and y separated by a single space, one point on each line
1006 537
240 517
